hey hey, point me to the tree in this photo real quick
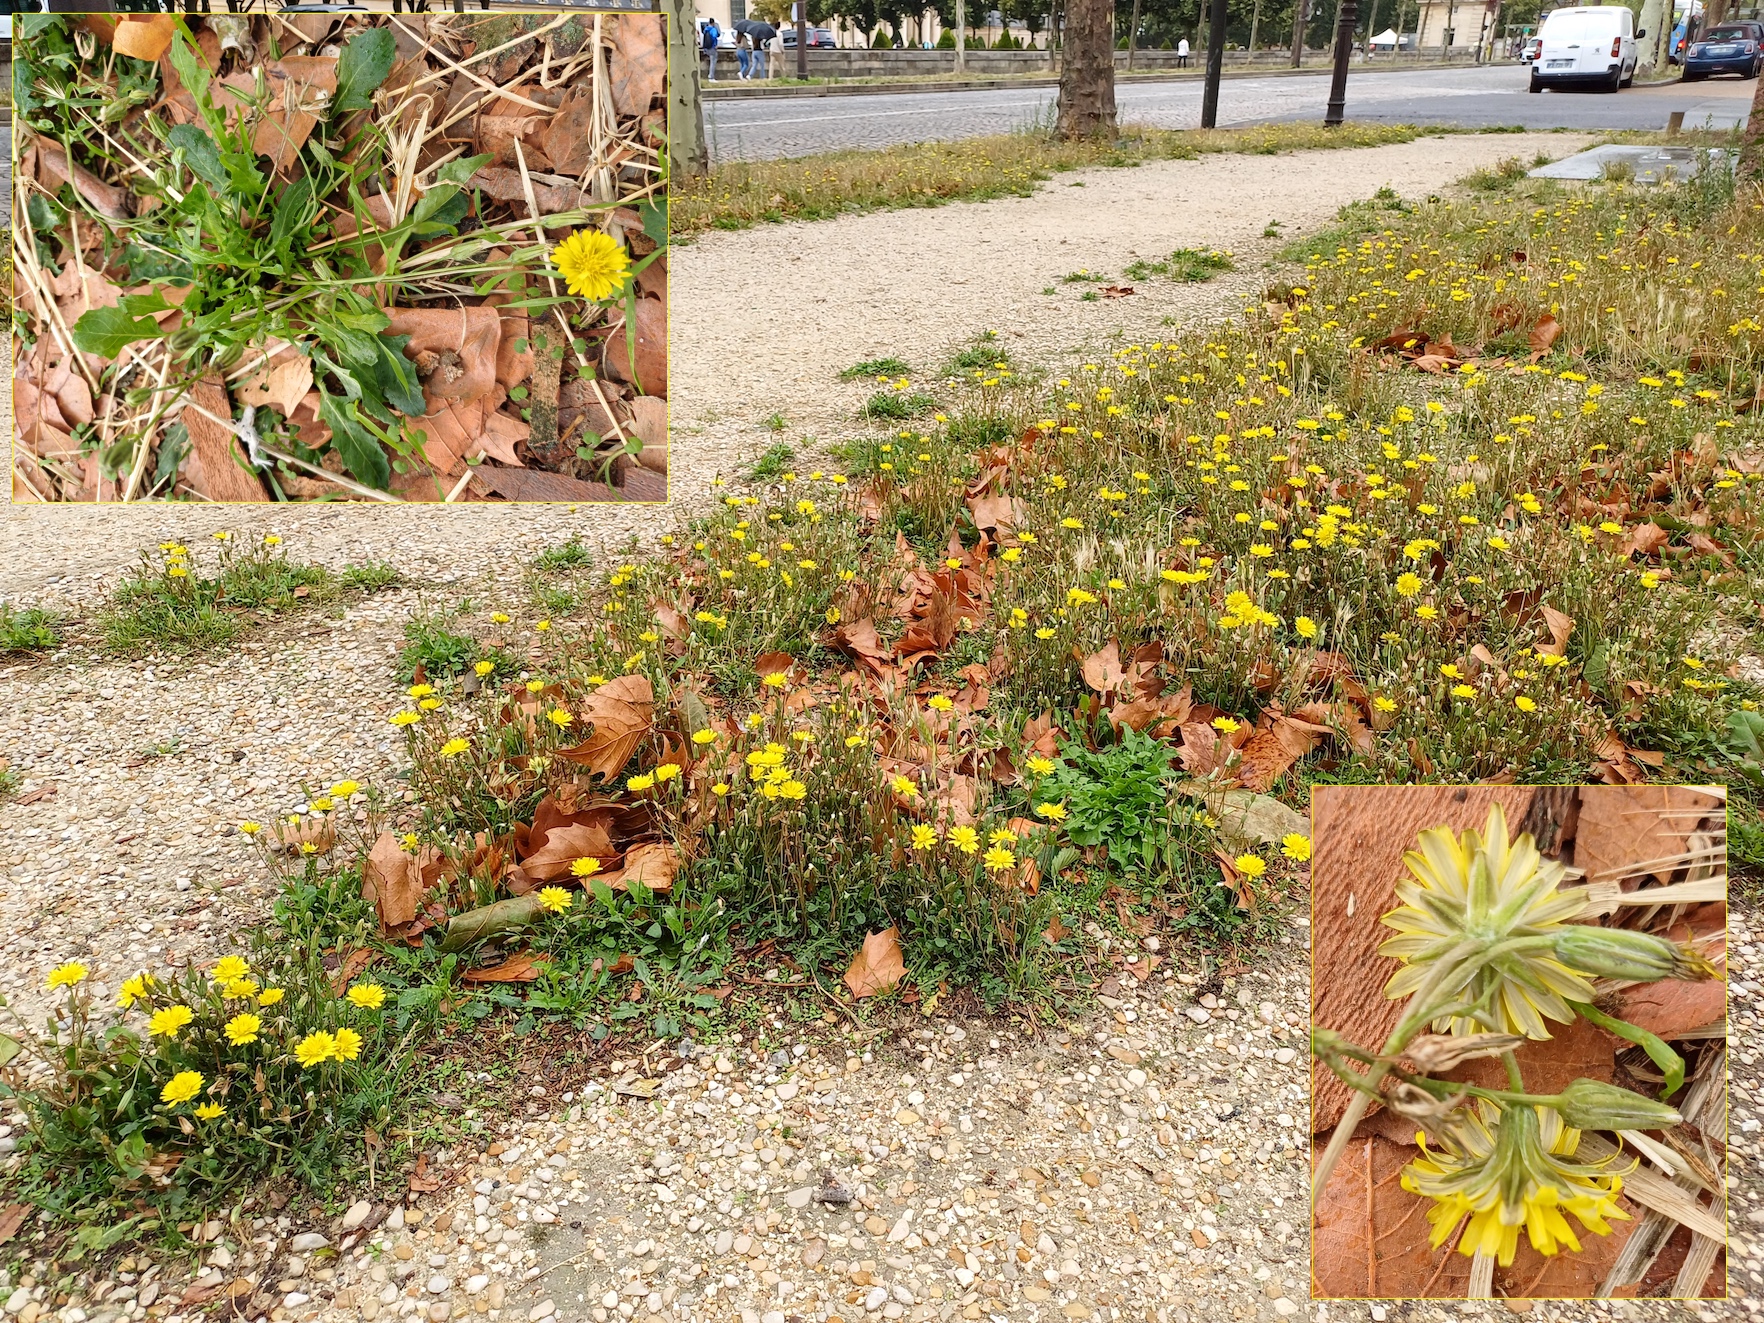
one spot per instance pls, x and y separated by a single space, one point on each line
690 156
1087 74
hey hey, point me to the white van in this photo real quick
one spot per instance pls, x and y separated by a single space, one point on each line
1593 46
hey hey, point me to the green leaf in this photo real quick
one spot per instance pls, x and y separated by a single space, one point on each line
200 153
398 378
293 214
190 70
24 75
361 452
1745 734
1659 1051
655 221
461 171
45 215
105 331
9 1048
363 66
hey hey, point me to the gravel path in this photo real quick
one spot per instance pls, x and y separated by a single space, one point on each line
133 857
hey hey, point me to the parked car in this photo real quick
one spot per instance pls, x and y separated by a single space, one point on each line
1735 48
1593 46
818 39
1532 47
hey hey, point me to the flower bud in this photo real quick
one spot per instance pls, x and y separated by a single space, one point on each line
1620 953
1592 1105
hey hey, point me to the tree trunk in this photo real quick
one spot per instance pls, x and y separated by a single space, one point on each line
1087 71
1751 159
1055 16
1133 33
1255 22
961 61
1646 50
689 156
1371 27
1301 10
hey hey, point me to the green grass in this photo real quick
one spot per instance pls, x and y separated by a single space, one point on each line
27 629
1502 175
433 643
168 605
871 368
739 194
1188 266
570 555
773 462
1352 223
896 406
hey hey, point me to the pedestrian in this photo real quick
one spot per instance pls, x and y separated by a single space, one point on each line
712 35
1182 53
775 52
744 53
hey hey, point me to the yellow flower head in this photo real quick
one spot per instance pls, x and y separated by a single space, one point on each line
555 899
66 976
924 836
242 1029
240 987
209 1110
315 1049
1250 865
964 839
134 990
585 867
180 1088
270 996
1507 1170
170 1022
368 996
594 264
453 748
229 969
1041 766
1295 846
1479 886
1052 812
346 1045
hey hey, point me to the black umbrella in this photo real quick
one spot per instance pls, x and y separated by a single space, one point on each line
760 32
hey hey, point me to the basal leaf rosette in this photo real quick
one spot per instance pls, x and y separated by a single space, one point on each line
1508 1169
1476 899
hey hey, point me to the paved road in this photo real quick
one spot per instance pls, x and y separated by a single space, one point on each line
1466 97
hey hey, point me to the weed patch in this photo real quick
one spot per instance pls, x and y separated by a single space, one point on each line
27 629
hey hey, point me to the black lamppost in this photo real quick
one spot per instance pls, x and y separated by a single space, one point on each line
1215 64
1347 12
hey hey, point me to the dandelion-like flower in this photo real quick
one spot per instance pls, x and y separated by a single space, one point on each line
170 1022
180 1088
68 975
1506 1170
346 1045
315 1049
555 899
242 1029
1479 888
270 996
209 1110
230 969
133 990
594 265
368 996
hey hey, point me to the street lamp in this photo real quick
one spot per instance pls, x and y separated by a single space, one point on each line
1345 15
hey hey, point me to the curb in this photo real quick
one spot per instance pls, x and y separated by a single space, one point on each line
716 92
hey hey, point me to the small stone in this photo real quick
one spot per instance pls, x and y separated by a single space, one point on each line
725 1241
875 1225
875 1298
1284 1055
18 1300
788 1090
812 1252
476 1283
403 1251
1199 1238
395 1219
772 1316
800 1198
1077 1309
1517 1306
307 1241
1029 1292
743 1244
902 1294
440 1311
1125 1055
1045 1245
544 1309
294 1299
906 1116
725 1066
149 1293
439 1285
357 1214
496 1295
1197 1014
1285 1308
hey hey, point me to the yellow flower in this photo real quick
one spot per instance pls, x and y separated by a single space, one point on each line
924 837
250 828
773 681
168 1023
242 1029
405 718
640 783
1250 865
1052 812
344 789
666 772
1407 584
704 736
370 996
1041 766
1525 704
230 968
555 899
483 668
559 717
1505 1169
66 976
594 264
1306 627
270 996
346 1046
134 990
315 1049
902 786
240 987
964 839
998 858
209 1110
1225 725
720 789
180 1088
1295 846
585 867
453 748
939 702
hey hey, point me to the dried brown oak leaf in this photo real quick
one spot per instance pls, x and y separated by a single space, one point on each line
877 966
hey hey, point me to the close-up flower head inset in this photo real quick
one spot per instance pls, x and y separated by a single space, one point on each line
1536 1085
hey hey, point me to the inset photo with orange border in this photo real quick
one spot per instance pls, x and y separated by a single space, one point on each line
340 257
1519 1042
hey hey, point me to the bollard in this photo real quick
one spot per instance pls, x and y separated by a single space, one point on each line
1674 122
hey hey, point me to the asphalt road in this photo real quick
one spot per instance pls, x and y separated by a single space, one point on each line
1464 97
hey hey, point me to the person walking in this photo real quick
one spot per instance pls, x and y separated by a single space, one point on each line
775 55
712 35
1182 53
744 55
